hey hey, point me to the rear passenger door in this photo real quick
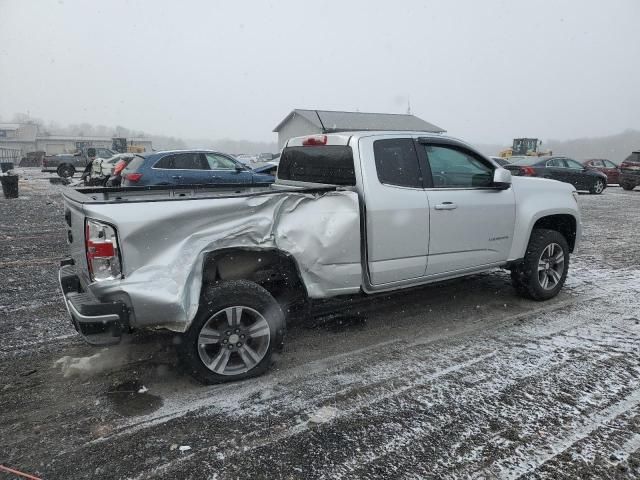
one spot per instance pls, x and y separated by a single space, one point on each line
190 168
187 168
397 213
470 222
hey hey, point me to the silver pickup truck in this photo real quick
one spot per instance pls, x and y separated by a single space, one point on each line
357 212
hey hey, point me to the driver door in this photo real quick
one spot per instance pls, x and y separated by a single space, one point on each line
470 222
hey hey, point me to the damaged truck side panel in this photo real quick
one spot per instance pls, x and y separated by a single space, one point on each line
177 245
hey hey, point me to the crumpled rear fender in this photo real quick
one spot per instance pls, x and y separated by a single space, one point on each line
164 245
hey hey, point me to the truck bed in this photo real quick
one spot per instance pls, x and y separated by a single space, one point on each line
163 193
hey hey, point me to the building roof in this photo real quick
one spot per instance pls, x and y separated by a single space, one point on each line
9 126
332 121
79 138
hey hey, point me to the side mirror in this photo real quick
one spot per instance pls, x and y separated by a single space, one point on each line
501 178
240 168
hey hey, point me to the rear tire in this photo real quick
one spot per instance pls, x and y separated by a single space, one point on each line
544 268
598 187
66 171
627 186
234 333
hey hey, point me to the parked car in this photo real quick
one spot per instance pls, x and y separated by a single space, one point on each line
264 157
118 163
610 169
245 159
109 165
270 168
100 172
66 165
630 171
224 269
189 167
560 168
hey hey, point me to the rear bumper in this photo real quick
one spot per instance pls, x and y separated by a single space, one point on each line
100 323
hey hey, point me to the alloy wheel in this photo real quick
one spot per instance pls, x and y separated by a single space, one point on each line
551 266
598 186
234 340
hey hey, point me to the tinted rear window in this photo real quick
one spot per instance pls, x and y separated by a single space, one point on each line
332 164
134 164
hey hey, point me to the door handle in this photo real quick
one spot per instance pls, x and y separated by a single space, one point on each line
176 176
446 206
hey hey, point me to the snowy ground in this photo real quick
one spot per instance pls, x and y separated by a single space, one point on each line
458 380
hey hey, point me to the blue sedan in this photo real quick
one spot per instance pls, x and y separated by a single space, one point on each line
189 167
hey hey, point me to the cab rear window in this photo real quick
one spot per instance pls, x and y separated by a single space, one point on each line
331 164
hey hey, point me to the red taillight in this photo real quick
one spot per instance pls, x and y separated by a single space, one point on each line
527 171
44 161
96 250
133 177
119 167
315 140
101 245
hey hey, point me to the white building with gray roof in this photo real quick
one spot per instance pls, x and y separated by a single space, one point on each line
308 122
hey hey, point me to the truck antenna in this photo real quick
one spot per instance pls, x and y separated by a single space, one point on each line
324 130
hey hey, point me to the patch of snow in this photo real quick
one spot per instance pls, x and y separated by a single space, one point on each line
324 415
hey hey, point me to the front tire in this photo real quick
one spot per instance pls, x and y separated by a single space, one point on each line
544 268
627 186
234 333
598 187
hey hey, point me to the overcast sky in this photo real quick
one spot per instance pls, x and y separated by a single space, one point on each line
484 70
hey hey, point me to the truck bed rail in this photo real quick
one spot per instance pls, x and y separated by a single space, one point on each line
163 193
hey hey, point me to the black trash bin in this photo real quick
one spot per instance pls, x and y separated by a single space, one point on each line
6 166
9 185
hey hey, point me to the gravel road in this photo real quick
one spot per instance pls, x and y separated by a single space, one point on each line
457 380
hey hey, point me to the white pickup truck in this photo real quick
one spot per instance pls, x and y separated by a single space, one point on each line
350 213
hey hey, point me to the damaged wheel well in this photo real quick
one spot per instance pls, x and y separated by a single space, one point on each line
274 270
563 223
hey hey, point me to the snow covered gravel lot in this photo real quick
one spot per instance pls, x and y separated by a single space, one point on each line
457 380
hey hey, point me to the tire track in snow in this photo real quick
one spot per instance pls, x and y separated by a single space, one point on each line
562 443
416 432
181 404
409 435
304 426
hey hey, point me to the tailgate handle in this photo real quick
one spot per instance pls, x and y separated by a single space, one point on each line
446 206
